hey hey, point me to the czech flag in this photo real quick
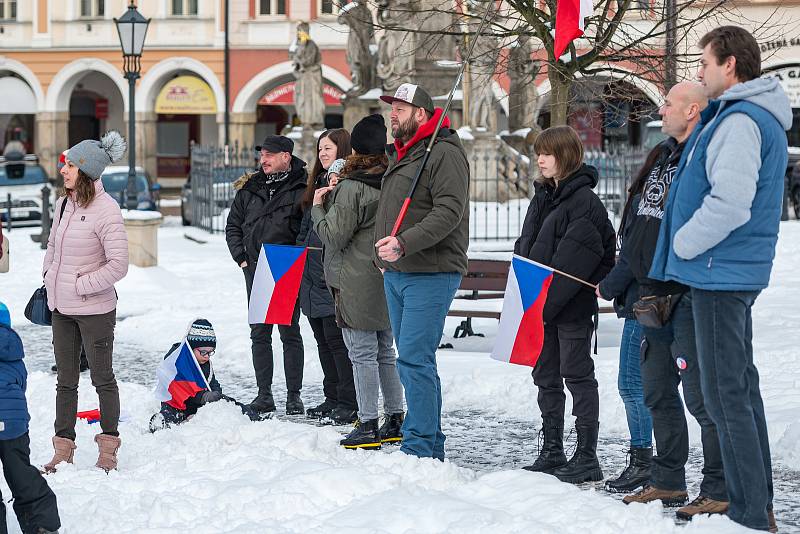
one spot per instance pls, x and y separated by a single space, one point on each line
521 333
179 377
570 15
276 284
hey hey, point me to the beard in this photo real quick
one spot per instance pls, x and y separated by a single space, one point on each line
405 130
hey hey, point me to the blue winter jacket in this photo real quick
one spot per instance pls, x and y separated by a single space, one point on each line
14 415
722 215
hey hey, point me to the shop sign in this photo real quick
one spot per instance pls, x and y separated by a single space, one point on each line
790 81
186 95
101 108
284 95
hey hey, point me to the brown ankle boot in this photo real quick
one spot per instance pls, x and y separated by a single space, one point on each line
64 452
108 445
702 505
651 493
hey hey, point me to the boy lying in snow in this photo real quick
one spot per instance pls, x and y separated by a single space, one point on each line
34 501
183 403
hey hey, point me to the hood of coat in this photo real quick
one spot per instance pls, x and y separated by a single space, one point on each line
585 176
766 93
10 345
296 170
366 169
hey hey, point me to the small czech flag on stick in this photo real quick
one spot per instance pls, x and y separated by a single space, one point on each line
521 333
276 284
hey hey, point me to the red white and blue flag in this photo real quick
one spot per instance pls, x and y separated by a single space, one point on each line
521 333
276 284
180 377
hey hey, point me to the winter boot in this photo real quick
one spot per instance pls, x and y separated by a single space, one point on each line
551 452
294 404
390 429
263 401
702 505
108 446
343 416
365 435
322 410
650 493
64 452
773 524
636 474
583 466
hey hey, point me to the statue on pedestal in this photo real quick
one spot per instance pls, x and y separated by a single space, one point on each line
360 43
523 98
396 48
307 70
482 112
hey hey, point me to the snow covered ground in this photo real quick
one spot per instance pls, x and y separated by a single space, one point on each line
222 473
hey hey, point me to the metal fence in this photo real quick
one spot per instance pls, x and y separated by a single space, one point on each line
500 187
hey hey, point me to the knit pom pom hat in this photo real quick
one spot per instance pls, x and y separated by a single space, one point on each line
92 157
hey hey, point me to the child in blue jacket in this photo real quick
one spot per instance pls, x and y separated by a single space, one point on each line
34 502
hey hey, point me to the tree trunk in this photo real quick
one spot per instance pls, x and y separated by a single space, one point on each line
559 96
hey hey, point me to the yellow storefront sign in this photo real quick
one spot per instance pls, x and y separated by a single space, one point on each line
186 95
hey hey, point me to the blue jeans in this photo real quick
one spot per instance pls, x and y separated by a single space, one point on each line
669 358
418 304
629 384
724 328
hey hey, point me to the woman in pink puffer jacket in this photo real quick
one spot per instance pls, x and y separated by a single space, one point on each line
87 253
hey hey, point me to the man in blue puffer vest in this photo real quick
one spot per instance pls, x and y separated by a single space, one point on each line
718 236
34 501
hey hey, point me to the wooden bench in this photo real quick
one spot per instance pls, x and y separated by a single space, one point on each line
486 283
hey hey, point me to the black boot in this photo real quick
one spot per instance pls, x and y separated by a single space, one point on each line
583 466
343 416
551 452
390 429
364 436
323 410
294 404
263 401
636 474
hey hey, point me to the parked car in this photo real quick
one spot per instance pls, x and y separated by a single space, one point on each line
21 180
115 182
652 135
221 196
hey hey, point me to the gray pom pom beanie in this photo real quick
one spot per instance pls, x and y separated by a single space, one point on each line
92 157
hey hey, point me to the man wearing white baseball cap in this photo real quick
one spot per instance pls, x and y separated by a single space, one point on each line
425 257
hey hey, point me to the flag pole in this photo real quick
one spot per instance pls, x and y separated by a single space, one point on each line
562 273
404 208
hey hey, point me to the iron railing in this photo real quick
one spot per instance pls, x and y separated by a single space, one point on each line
500 187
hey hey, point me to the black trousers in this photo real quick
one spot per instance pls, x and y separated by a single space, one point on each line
337 383
34 502
261 341
566 358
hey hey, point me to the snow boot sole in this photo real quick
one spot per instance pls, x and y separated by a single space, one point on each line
368 446
593 475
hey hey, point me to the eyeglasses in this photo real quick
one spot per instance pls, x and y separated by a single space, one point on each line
208 353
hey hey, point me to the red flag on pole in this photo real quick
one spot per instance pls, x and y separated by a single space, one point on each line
569 22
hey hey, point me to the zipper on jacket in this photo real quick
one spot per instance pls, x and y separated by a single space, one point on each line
61 251
710 260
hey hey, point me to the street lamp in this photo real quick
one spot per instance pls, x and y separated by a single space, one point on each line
132 28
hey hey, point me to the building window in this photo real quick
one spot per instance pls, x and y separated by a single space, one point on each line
271 7
184 7
8 9
331 7
93 8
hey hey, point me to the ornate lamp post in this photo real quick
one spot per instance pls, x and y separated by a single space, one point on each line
132 28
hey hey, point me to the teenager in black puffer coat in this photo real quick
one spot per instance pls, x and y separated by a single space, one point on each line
567 228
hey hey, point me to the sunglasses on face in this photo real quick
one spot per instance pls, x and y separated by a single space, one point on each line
208 353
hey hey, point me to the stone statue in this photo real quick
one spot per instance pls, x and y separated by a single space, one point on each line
396 48
360 43
482 66
307 69
523 98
